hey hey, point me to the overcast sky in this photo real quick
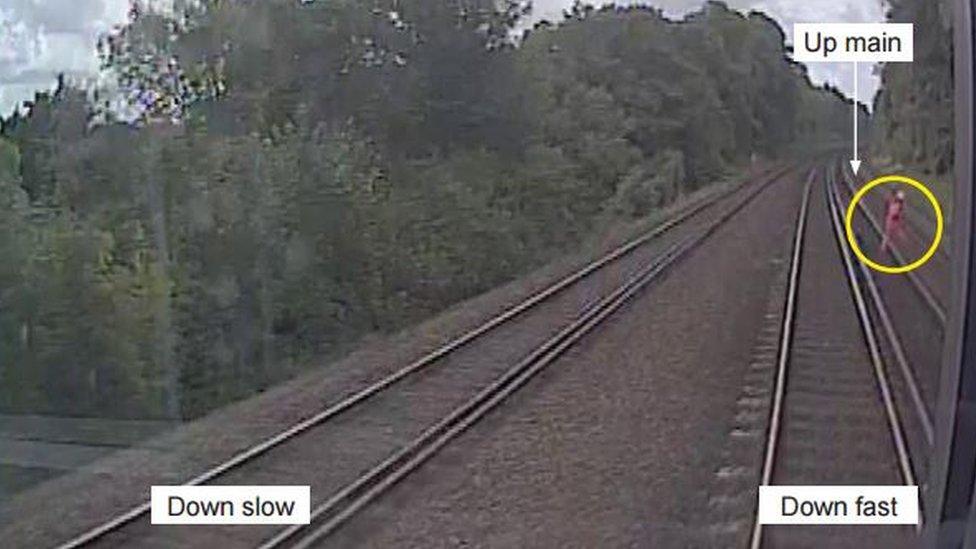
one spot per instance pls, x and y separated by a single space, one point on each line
40 38
787 12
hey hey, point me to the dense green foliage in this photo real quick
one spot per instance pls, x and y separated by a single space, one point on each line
303 175
914 110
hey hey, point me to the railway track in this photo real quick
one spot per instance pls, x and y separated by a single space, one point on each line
333 513
934 303
490 388
910 309
834 419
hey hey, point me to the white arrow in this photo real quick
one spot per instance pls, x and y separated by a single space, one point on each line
855 163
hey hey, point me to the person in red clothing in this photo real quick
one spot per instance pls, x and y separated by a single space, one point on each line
894 228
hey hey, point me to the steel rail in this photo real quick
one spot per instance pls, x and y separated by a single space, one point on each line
783 357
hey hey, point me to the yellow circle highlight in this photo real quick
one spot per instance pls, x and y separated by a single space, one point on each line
940 224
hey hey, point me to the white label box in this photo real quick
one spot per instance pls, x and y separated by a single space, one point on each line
867 42
838 505
231 504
